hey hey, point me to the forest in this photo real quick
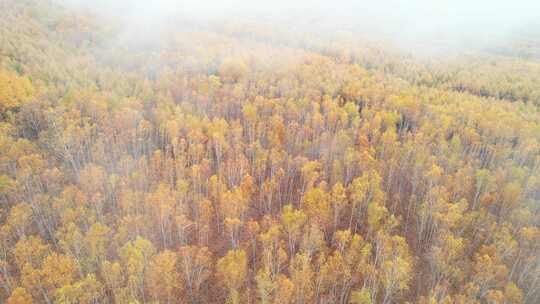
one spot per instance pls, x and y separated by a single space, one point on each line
238 161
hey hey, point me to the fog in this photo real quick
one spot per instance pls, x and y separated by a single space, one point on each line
406 23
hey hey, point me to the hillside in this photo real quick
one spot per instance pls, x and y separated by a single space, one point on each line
251 162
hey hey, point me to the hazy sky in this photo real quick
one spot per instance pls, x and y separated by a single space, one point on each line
448 10
402 20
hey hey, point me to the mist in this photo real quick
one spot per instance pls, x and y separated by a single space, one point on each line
418 24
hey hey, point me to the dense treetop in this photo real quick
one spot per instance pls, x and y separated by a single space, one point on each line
240 163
